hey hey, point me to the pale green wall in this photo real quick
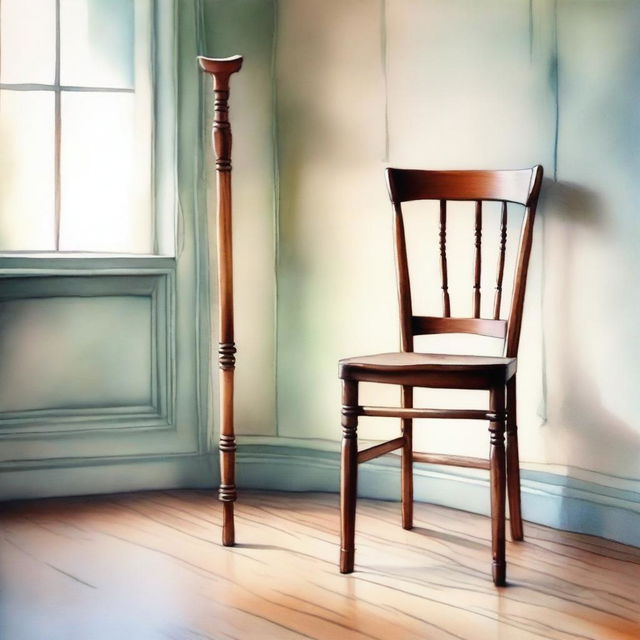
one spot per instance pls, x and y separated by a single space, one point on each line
362 84
247 27
592 238
334 223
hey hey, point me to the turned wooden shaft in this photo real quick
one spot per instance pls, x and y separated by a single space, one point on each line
221 69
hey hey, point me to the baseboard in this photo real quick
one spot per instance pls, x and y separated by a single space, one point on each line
108 475
549 499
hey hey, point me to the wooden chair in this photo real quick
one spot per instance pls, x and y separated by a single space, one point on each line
409 369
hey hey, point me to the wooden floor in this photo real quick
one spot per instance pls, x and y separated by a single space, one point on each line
149 565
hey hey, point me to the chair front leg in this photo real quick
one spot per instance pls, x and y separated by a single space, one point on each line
348 475
498 485
513 463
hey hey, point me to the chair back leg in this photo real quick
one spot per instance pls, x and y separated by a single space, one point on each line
348 475
407 461
498 479
513 464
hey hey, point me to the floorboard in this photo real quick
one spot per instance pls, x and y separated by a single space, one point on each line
149 566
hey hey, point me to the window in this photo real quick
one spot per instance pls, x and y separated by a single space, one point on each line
76 126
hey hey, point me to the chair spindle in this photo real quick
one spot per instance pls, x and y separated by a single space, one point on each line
446 304
478 260
499 277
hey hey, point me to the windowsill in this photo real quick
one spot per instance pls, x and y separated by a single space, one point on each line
51 263
38 255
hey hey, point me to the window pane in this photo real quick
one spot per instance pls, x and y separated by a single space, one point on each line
27 171
28 37
97 43
103 201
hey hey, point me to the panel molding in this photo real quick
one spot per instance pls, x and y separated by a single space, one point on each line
70 420
57 281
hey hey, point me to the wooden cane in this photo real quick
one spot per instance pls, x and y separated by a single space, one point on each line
221 69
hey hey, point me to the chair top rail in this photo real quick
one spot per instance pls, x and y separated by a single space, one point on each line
503 185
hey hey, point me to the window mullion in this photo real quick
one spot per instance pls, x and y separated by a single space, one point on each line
58 131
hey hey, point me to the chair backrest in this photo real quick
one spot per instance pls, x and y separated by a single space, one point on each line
521 187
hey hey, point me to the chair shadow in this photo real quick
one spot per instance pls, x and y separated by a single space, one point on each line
449 537
578 400
580 405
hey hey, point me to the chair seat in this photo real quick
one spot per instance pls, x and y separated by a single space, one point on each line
428 369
